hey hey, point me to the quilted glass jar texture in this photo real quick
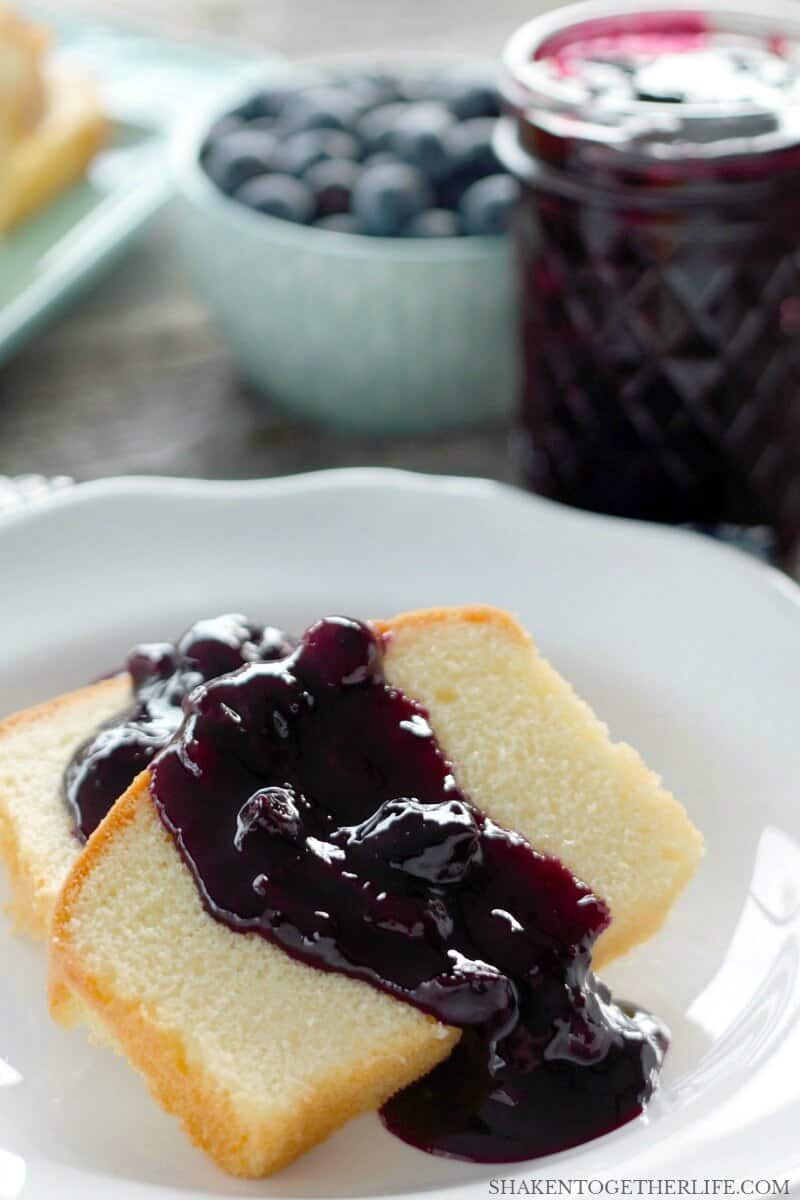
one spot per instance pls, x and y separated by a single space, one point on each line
660 280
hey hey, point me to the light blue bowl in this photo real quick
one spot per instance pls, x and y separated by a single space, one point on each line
375 335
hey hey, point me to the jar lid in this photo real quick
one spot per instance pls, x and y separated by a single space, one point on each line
710 81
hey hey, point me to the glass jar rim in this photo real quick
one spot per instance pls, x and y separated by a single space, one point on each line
651 128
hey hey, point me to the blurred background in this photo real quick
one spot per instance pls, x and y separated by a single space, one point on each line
655 278
135 378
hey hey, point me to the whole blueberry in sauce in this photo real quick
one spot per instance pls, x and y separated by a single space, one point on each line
314 807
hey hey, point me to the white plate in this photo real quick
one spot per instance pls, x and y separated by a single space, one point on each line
688 649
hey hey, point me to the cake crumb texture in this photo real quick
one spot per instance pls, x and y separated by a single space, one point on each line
36 839
533 755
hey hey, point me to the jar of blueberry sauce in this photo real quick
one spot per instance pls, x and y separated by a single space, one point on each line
659 248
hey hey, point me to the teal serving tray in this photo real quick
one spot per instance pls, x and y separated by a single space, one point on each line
146 83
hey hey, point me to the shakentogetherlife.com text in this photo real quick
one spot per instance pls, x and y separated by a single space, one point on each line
639 1187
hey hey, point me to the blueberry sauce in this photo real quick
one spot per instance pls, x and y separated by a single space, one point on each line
163 674
313 806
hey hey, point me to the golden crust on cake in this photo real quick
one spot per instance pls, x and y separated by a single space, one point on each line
51 122
22 47
260 1056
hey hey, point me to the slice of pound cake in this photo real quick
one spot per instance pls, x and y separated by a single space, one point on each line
56 152
37 838
22 47
380 863
51 121
64 763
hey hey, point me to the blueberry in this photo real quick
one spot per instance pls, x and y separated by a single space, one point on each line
210 657
153 660
332 184
374 89
268 102
380 156
419 137
238 156
216 646
487 205
473 993
388 196
428 114
471 149
303 150
247 110
343 222
450 189
468 100
377 78
220 128
433 223
435 842
274 644
271 707
266 125
322 107
375 128
417 88
278 196
275 810
338 652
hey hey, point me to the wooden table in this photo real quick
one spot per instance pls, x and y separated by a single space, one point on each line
134 378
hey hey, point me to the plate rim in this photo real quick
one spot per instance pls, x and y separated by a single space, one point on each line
83 494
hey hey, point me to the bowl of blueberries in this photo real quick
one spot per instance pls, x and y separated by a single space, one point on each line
348 229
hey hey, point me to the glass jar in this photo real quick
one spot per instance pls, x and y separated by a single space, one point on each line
659 251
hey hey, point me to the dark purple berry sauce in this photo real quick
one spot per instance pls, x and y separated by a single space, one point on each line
313 806
163 674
